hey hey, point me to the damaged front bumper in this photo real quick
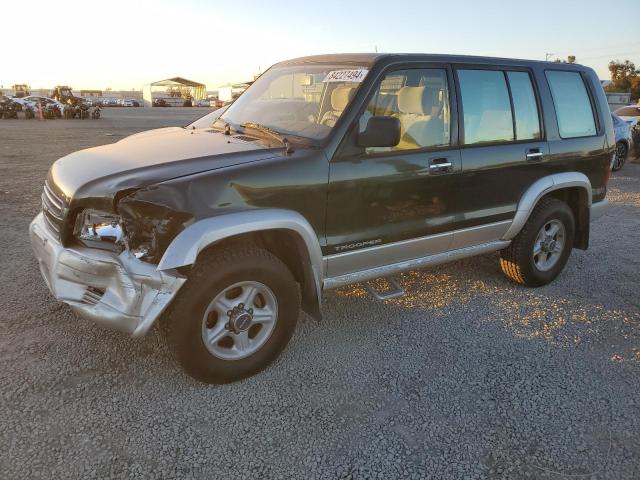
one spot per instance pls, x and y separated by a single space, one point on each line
116 291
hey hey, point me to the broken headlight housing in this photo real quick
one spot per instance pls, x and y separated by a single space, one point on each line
98 229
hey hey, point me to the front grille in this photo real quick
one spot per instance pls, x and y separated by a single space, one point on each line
54 208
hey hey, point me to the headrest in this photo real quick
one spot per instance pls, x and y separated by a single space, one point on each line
418 100
341 96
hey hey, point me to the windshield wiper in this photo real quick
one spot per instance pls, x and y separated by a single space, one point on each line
271 132
226 125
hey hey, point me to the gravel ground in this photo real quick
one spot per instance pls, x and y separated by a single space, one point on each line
467 376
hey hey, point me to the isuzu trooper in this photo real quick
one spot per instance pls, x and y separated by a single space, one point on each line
329 170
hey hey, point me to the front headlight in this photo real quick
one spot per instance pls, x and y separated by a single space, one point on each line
96 226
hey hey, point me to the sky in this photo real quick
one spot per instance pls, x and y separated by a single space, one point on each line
126 44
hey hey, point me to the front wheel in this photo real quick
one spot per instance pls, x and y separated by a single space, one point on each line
234 315
540 251
620 156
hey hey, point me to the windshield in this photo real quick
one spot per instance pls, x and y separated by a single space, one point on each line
302 100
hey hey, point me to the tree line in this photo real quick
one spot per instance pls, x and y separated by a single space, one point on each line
624 78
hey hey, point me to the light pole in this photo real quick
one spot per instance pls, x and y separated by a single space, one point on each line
547 55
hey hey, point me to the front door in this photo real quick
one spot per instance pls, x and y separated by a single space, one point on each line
383 202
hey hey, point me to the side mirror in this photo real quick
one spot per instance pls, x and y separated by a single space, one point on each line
380 132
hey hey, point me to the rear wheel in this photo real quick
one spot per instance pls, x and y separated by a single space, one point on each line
620 157
540 251
234 315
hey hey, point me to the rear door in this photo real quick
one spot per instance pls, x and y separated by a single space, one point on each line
504 149
578 140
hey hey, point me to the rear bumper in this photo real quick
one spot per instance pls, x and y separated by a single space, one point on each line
598 209
116 291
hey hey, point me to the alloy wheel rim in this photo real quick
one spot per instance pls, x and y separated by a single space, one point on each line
239 320
549 245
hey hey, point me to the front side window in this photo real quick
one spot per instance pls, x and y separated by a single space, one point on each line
486 106
302 100
419 98
573 107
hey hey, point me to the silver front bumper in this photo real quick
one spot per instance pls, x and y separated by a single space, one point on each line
116 291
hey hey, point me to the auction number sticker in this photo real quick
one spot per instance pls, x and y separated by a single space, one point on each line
346 75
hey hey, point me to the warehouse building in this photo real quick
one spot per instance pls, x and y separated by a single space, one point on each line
173 92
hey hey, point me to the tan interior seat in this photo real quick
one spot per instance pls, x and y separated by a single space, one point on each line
421 111
340 98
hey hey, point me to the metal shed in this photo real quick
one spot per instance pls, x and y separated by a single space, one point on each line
172 91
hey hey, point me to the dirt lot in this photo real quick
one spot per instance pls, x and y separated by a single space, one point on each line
467 376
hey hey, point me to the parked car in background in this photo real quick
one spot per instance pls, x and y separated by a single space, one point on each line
35 100
631 115
126 103
623 141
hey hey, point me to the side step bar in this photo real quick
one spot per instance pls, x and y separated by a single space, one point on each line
422 262
394 292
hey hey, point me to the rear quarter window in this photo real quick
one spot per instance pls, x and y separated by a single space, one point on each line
572 104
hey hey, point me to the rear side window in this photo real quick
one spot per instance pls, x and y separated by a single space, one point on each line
486 106
524 106
573 107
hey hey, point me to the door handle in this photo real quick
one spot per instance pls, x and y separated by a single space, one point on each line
534 154
440 164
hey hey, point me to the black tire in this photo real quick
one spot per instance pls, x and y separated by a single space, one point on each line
620 156
183 322
517 260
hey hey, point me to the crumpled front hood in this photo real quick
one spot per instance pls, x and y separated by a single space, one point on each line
150 157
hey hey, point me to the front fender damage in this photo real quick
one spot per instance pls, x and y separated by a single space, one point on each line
152 217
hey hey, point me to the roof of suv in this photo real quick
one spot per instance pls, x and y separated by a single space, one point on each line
371 58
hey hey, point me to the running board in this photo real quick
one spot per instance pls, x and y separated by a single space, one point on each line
394 292
421 262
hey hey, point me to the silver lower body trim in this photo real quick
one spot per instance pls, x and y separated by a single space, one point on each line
598 209
115 291
426 261
405 250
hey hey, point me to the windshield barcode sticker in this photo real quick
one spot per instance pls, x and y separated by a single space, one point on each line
346 75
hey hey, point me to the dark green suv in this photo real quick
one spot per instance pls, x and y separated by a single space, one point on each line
327 171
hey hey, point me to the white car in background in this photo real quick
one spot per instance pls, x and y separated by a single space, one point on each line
35 100
631 115
624 141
